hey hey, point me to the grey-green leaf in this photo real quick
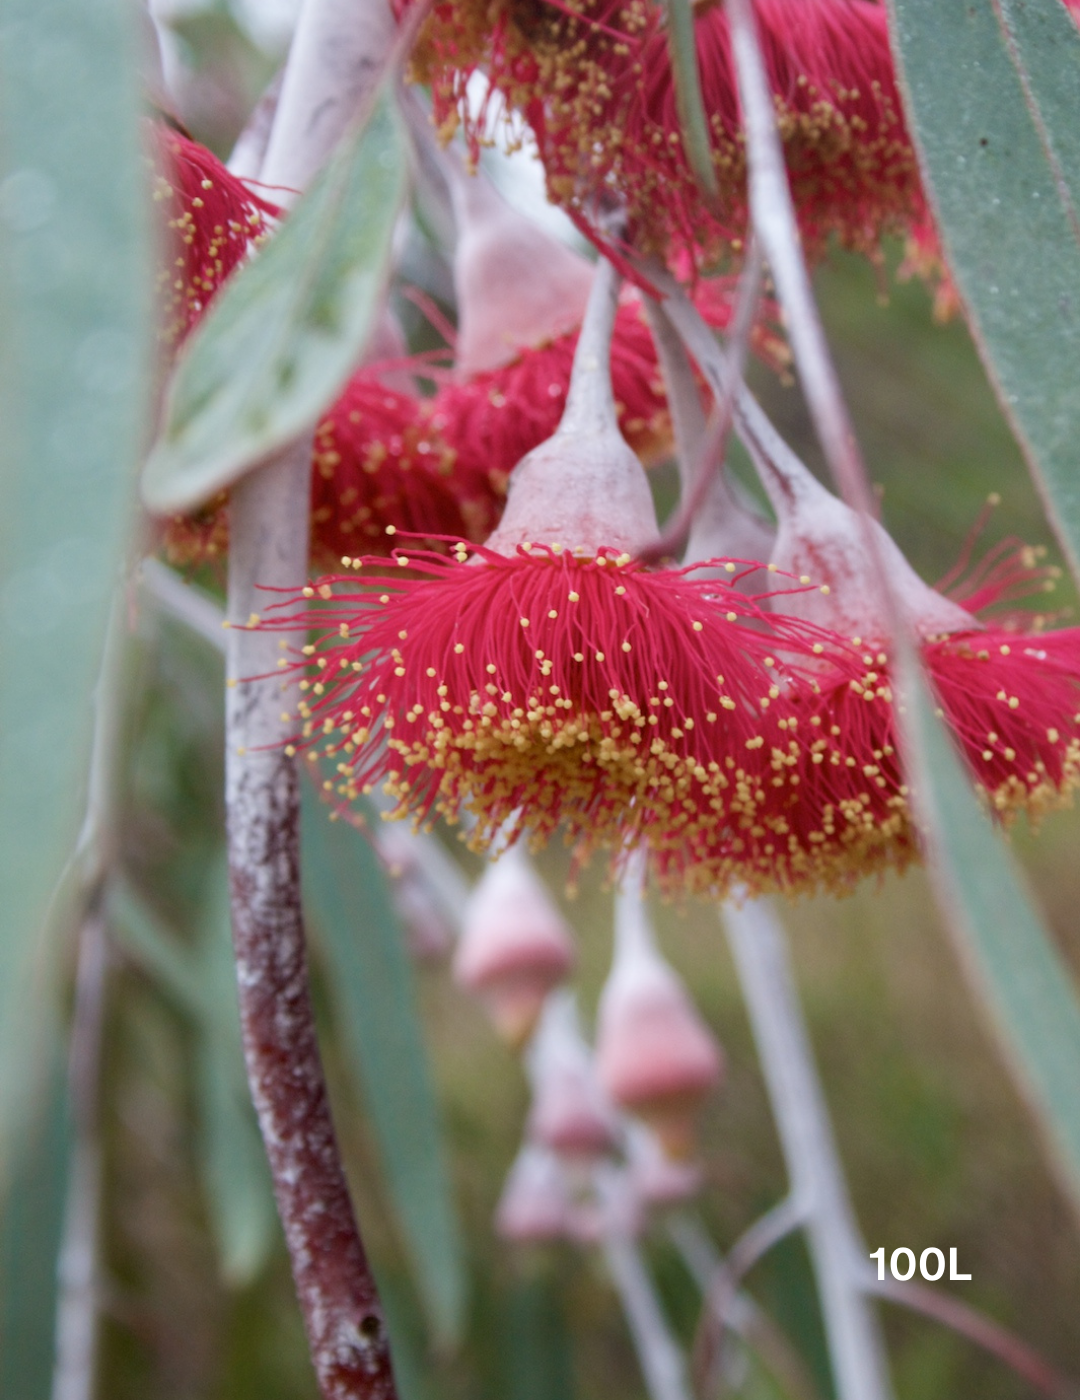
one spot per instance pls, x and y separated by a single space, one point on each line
1005 948
993 91
289 329
75 293
347 894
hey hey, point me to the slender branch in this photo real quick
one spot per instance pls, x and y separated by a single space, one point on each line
77 1269
708 458
978 1328
836 1249
339 50
723 1288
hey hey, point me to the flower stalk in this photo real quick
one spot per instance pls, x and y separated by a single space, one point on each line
818 1187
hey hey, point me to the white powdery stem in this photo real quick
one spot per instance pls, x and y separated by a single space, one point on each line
838 1253
590 399
662 1362
337 53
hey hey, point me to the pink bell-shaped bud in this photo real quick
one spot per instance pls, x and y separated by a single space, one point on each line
515 285
537 1200
430 933
655 1055
583 488
570 1113
515 945
658 1179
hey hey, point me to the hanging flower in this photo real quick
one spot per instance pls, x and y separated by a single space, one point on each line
1008 690
212 221
595 83
553 679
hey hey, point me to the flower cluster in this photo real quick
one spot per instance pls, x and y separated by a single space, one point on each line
594 80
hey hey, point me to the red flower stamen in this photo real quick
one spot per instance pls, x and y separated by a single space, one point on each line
594 81
213 220
547 688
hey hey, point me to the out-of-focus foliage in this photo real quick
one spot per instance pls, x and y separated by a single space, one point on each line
74 346
363 942
993 89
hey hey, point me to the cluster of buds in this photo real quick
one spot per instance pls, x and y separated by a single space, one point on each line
610 1124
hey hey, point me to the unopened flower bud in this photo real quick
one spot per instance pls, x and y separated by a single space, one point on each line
536 1202
570 1114
655 1055
515 945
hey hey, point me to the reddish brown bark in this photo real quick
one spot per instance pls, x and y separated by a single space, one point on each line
334 1284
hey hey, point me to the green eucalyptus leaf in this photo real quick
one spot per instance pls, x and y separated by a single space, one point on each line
31 1229
75 297
993 91
288 330
347 893
1004 946
536 1345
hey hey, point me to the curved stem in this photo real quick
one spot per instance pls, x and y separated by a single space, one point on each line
978 1328
701 465
744 1317
817 1180
723 1287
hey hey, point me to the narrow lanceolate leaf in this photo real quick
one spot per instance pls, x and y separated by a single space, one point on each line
75 286
682 46
993 89
288 329
1003 943
347 893
202 984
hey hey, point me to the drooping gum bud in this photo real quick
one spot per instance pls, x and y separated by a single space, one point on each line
515 285
655 1055
570 1112
515 945
584 488
536 1202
